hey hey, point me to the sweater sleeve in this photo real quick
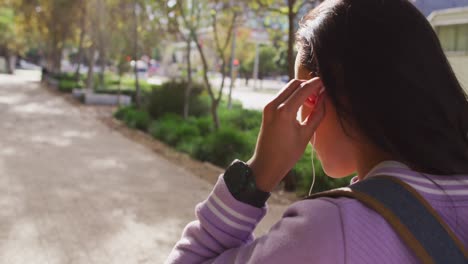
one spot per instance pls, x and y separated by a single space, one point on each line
310 231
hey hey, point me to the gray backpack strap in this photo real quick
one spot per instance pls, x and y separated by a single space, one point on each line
410 215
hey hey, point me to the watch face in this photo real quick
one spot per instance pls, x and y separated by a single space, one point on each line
241 183
236 177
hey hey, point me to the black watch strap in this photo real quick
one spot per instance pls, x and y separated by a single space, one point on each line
240 181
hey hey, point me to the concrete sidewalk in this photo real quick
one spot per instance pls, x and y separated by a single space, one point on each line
75 191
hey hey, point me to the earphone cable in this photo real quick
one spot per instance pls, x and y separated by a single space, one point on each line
313 166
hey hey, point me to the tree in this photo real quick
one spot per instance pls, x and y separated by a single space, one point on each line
52 23
192 11
136 12
267 64
291 12
82 29
245 53
16 35
137 37
93 18
8 36
222 12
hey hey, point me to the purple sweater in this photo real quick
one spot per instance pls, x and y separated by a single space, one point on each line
324 230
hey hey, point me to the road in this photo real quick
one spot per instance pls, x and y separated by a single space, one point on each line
73 190
250 98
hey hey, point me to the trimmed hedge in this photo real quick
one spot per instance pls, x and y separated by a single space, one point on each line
169 98
172 130
223 146
134 118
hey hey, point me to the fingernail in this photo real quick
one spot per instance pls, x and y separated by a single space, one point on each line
304 84
322 90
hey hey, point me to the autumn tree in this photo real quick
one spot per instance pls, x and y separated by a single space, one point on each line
8 36
14 37
176 15
55 21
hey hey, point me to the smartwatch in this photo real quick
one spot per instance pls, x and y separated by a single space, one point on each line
240 181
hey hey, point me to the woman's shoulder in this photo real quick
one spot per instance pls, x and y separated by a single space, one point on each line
337 206
351 226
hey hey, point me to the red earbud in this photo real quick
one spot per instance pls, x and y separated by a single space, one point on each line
312 99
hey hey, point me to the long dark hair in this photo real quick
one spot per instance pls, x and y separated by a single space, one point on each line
385 72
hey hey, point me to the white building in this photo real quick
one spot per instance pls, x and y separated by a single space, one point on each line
451 26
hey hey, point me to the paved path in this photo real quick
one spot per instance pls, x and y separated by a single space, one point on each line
74 191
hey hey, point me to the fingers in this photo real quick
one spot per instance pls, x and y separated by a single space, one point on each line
305 111
300 95
316 116
285 93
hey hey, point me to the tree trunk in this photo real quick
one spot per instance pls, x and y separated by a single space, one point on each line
233 56
55 59
214 104
90 79
291 17
80 43
135 56
119 89
80 56
214 114
8 62
102 60
188 89
102 43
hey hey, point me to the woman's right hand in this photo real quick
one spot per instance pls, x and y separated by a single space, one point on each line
283 139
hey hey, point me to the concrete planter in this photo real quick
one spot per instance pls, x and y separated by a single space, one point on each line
78 93
106 99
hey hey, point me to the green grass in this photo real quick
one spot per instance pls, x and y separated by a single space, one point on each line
127 83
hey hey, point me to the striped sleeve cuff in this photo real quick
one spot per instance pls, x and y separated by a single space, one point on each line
221 212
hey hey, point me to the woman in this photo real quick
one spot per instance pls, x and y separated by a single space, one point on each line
387 102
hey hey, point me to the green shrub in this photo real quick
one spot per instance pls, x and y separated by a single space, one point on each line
67 86
122 112
242 119
200 105
173 130
236 104
65 76
169 98
113 82
162 128
128 82
223 146
189 145
204 124
137 119
303 171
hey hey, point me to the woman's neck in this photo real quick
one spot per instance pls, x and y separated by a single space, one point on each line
367 158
